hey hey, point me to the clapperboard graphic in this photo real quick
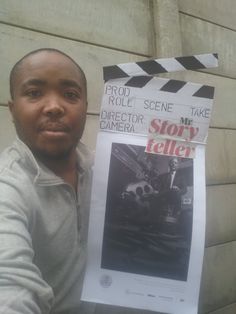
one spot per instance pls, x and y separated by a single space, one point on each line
133 97
147 225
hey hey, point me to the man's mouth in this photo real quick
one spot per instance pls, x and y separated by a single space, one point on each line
54 129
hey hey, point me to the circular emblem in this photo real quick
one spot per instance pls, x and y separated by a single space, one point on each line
105 281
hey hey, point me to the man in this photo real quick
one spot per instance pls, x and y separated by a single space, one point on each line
174 181
170 187
44 187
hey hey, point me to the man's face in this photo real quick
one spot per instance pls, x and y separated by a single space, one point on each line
49 104
173 164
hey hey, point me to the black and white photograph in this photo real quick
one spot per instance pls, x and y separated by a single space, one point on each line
149 213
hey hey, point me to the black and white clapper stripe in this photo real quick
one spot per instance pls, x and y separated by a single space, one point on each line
152 67
140 74
172 86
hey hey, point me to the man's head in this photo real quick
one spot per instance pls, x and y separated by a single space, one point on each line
173 164
49 102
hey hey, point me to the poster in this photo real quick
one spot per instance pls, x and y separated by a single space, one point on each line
147 220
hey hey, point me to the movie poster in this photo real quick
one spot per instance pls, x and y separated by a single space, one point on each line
147 220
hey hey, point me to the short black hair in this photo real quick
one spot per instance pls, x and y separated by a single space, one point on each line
15 69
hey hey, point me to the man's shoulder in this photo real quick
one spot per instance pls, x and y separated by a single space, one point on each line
12 165
9 159
85 156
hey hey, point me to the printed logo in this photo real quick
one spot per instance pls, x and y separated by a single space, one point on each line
105 281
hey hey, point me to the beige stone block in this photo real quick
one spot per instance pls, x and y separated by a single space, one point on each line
221 156
216 11
221 214
166 23
218 287
124 25
7 130
230 309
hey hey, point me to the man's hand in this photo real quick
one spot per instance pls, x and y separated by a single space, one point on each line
175 188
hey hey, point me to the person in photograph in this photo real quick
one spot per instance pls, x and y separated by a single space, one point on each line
171 186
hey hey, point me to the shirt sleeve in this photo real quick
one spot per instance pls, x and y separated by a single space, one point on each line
22 288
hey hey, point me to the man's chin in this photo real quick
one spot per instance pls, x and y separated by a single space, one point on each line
54 154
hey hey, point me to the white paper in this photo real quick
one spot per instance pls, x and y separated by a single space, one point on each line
147 220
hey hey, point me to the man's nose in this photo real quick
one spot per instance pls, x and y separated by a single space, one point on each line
53 107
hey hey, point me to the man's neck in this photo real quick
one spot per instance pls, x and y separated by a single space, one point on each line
65 168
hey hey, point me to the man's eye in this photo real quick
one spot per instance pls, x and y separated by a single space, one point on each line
34 93
71 95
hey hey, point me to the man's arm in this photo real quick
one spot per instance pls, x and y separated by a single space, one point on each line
22 289
180 185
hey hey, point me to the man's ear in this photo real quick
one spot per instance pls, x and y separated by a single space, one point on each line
11 108
10 105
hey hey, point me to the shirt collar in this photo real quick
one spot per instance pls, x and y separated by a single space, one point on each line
41 174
